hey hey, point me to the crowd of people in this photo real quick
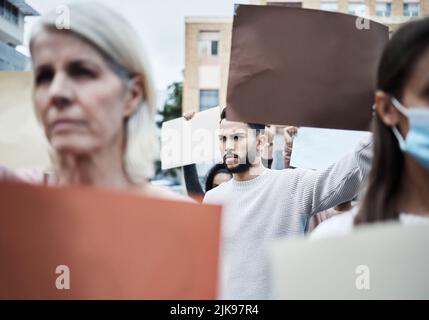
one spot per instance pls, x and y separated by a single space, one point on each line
94 98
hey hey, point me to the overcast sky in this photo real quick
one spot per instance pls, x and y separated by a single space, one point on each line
161 25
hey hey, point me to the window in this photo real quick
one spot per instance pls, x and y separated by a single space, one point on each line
411 9
9 11
2 7
357 8
208 43
214 48
383 9
15 13
208 99
208 48
329 5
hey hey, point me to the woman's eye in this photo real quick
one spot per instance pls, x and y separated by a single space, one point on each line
82 73
43 77
236 138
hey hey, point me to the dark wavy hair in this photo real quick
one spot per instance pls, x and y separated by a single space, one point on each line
398 60
216 169
256 126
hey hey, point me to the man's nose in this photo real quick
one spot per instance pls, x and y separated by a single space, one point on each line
229 145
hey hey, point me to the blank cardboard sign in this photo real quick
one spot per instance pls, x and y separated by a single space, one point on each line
316 149
185 142
381 261
303 67
115 245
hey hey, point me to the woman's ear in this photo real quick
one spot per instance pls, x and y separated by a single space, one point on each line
386 110
135 95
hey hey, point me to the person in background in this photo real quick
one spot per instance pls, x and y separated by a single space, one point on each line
272 157
290 133
217 175
261 204
318 218
268 152
93 95
398 184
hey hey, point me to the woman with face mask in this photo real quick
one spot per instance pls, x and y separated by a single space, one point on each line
93 95
398 185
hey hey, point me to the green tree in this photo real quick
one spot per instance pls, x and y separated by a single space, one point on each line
172 110
173 105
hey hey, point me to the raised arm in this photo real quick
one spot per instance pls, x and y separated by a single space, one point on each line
339 183
192 182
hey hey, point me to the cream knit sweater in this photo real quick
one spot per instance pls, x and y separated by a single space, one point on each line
276 204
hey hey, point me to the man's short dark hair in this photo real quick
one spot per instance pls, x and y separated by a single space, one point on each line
256 126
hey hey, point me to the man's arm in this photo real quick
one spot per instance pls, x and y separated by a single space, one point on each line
190 173
339 183
192 182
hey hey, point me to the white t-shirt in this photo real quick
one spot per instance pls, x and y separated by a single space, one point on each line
342 224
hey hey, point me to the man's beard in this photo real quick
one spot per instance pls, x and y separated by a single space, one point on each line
240 168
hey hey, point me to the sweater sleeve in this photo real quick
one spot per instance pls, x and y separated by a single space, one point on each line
339 183
191 180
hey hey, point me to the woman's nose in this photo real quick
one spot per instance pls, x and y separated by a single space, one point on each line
60 93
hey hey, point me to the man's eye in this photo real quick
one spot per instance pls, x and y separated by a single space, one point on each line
223 139
236 138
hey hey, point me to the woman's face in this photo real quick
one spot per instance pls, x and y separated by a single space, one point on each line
415 95
80 101
416 90
221 178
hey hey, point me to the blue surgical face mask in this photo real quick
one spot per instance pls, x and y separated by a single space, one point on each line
416 143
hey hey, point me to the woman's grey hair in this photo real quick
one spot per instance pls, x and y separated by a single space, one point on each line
121 46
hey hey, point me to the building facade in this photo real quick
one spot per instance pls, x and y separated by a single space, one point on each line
12 15
208 42
207 46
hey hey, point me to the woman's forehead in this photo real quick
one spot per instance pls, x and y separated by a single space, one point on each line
58 45
420 76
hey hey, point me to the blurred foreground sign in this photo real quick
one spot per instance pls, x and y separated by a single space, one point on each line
387 261
115 245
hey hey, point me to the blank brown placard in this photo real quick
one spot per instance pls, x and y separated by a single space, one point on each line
116 245
302 67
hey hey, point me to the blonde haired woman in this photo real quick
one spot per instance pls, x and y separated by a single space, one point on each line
93 95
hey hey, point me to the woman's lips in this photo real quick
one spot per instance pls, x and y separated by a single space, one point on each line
65 125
